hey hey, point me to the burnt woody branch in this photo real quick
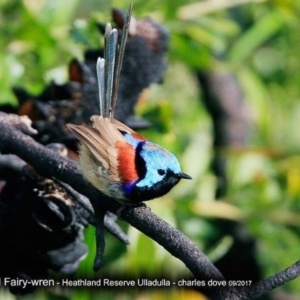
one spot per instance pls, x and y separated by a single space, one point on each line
49 164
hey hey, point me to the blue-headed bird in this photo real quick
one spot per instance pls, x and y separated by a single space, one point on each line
116 160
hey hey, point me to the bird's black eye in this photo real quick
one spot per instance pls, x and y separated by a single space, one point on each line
161 172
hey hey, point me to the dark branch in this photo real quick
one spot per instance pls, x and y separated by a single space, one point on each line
261 287
49 164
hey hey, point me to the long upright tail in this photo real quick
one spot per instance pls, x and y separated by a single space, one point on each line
109 67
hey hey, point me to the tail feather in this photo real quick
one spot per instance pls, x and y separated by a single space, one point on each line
101 83
109 68
111 39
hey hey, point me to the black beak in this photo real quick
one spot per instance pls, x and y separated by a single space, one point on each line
183 176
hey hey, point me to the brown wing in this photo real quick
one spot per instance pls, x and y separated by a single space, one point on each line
101 141
124 128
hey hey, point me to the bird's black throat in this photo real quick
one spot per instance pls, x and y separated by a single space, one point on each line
139 194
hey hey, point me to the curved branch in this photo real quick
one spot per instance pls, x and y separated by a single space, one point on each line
262 286
49 164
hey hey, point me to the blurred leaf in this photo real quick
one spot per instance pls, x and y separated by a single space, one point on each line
143 263
260 32
219 250
194 55
85 269
194 9
257 96
218 209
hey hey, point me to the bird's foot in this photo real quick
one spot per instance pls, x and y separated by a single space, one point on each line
128 205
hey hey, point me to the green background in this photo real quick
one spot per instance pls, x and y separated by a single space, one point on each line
260 44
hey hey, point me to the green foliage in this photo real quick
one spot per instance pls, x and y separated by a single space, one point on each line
259 42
